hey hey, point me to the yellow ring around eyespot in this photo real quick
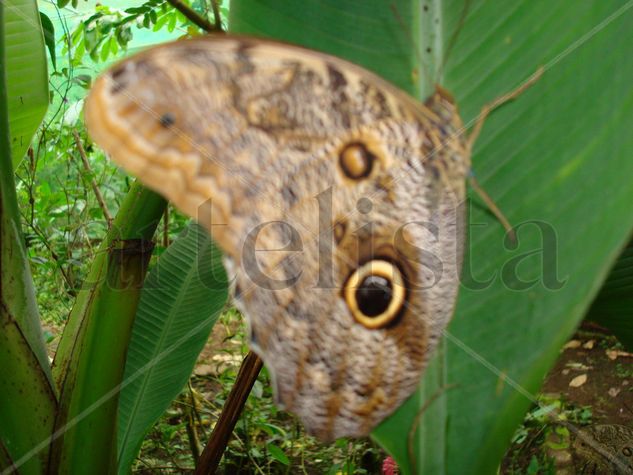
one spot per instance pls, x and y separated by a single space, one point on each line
381 268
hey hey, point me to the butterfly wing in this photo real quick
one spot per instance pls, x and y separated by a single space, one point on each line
304 168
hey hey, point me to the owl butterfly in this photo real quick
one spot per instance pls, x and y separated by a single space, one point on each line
334 196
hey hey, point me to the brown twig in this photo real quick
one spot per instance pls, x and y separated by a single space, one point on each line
217 19
210 458
93 182
190 414
196 19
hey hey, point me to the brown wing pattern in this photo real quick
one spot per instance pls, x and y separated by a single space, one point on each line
325 167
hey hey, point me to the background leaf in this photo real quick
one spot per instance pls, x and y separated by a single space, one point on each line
49 37
181 300
27 393
613 307
27 78
556 161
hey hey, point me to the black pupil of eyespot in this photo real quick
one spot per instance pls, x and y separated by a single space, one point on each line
373 295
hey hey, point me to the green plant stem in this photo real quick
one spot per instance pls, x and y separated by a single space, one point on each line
90 359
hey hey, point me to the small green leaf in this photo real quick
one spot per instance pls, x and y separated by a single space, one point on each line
83 80
278 454
161 22
124 35
49 37
114 47
172 22
91 38
105 49
137 10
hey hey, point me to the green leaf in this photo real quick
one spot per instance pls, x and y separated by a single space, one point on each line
105 48
49 37
27 393
91 38
182 298
171 26
278 454
613 307
83 80
556 161
27 77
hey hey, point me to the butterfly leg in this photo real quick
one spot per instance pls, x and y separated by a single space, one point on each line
499 101
474 134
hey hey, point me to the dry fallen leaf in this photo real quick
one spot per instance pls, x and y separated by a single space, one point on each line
204 370
613 354
571 344
589 344
577 366
578 381
613 392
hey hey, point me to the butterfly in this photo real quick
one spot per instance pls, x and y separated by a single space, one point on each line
336 198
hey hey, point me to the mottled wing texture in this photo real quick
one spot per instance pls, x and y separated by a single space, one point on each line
604 449
259 141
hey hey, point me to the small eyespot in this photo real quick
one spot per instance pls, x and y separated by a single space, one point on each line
339 231
375 293
356 161
167 120
627 451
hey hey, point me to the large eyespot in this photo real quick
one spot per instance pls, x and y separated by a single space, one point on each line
375 293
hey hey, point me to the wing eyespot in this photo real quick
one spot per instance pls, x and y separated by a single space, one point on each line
339 230
167 120
375 293
356 161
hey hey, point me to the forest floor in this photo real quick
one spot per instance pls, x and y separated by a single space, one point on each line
591 383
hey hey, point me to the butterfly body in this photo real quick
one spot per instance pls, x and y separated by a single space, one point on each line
324 185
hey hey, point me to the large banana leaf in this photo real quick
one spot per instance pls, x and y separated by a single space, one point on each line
557 161
27 396
181 300
27 78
